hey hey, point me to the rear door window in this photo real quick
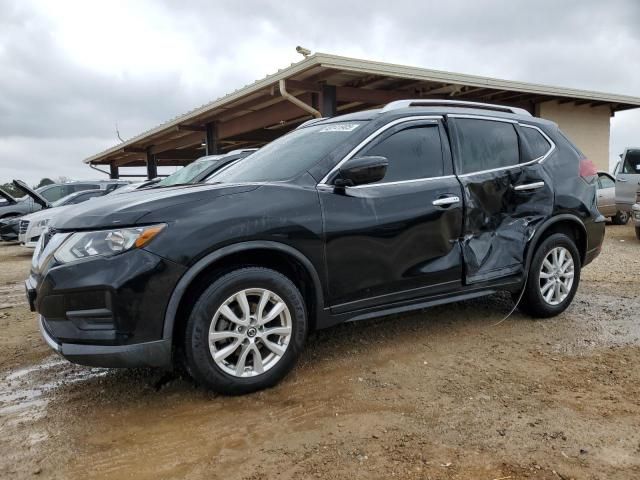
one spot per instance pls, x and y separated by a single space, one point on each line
486 144
413 152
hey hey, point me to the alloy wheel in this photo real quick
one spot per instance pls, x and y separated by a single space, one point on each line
556 276
250 332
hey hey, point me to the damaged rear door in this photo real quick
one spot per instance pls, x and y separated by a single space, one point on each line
506 192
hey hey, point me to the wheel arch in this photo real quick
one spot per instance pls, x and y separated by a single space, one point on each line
280 257
563 223
12 214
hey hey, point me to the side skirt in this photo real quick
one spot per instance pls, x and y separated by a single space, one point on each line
326 319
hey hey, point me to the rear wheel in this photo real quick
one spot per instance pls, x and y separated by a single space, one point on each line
554 275
245 331
620 218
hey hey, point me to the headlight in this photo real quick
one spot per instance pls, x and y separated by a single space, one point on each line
42 223
105 242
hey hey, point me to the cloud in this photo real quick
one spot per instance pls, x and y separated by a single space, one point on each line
72 69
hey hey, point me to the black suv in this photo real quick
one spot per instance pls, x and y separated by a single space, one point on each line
416 204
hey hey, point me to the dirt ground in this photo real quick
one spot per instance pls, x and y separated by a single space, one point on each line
440 394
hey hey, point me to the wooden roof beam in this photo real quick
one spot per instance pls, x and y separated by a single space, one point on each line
272 115
181 142
182 154
368 96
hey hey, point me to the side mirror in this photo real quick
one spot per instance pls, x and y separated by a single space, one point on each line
361 171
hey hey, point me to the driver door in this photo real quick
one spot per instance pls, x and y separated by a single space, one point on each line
395 239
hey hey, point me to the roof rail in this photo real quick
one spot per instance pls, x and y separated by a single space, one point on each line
241 150
451 103
310 122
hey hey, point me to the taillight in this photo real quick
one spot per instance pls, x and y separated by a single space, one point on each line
587 169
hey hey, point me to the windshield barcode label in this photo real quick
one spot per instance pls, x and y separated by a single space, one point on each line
340 127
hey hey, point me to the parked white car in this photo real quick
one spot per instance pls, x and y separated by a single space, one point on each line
31 226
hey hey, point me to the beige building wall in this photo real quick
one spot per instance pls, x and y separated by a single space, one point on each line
588 127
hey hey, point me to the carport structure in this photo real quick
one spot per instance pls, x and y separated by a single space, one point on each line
327 85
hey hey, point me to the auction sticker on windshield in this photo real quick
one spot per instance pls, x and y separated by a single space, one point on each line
340 127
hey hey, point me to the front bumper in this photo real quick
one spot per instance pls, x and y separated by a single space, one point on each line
147 354
106 312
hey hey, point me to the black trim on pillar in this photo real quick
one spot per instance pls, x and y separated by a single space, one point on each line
152 165
213 147
328 103
114 172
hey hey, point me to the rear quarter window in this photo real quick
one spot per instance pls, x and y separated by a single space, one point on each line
537 145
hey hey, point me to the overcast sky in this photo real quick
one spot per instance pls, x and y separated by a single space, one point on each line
70 70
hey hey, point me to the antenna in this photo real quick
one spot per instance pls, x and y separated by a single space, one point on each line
118 134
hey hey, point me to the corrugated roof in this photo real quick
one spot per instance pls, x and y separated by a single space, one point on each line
353 68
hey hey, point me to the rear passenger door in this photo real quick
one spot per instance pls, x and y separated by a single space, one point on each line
506 192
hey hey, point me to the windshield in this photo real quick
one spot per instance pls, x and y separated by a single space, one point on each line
186 174
62 200
632 162
288 155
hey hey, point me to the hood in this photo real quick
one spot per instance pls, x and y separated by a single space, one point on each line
4 195
10 200
39 199
129 209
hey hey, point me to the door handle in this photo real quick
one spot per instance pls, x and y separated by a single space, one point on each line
528 186
623 180
443 202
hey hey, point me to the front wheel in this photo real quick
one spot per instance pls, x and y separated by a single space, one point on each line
245 331
554 275
620 218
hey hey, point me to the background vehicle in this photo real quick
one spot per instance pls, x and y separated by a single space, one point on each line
636 218
627 173
416 204
202 168
9 229
16 207
606 197
31 226
137 186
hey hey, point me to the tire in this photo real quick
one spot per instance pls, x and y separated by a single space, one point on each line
211 316
620 218
533 302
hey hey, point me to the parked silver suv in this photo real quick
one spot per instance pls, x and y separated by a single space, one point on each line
607 200
627 173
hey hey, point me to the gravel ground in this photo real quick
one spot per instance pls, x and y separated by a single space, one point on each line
441 394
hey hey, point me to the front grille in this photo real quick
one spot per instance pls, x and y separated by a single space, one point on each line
24 225
47 234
